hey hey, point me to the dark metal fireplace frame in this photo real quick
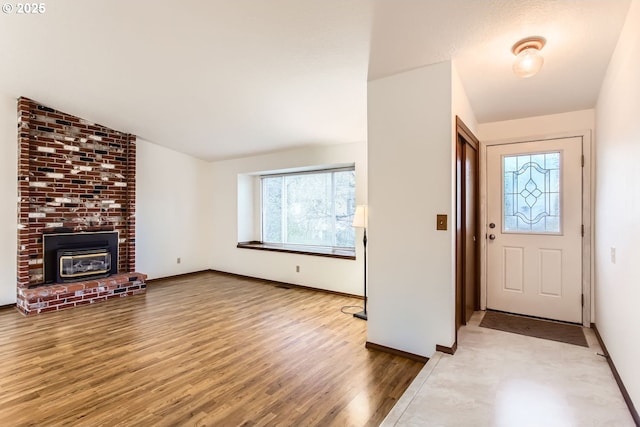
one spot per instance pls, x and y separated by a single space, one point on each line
56 243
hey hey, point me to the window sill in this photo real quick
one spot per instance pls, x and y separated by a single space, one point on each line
300 250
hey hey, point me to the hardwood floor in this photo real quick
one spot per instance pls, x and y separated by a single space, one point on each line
203 350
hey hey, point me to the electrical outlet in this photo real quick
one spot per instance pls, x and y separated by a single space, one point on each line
613 255
178 260
297 269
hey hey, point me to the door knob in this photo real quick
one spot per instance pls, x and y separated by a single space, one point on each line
492 237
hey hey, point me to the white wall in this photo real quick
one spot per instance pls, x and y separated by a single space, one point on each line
411 281
319 272
172 212
248 226
460 103
532 127
9 195
618 205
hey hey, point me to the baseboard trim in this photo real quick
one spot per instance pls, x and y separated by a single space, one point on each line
7 306
448 350
285 284
176 276
614 371
396 352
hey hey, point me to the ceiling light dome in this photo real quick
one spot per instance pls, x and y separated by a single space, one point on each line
529 60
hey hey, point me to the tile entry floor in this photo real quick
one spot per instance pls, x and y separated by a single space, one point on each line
500 379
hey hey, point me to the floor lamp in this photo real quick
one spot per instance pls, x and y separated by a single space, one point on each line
360 220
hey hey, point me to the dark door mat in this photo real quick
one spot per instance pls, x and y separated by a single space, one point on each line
570 334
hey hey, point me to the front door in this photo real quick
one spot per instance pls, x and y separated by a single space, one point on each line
534 211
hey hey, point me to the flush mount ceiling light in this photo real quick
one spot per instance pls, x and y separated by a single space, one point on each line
529 60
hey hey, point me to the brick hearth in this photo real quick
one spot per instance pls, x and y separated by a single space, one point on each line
67 295
73 176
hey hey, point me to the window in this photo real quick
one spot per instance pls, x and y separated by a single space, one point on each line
309 208
531 189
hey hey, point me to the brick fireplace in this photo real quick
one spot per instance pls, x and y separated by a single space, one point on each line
74 178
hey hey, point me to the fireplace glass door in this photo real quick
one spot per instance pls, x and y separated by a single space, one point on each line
78 265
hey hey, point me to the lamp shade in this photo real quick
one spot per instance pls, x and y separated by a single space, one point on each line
529 59
528 63
360 218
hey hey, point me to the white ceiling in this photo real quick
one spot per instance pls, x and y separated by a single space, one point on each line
227 78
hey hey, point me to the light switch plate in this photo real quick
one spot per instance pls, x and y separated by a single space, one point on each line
441 222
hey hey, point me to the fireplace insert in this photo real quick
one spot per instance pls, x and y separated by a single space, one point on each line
71 257
83 264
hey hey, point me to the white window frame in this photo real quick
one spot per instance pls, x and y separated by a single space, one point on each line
332 171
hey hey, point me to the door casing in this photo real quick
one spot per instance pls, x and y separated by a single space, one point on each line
587 217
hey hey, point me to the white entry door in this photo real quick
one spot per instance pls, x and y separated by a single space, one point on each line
534 212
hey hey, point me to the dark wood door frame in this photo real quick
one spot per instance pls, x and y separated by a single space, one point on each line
466 138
